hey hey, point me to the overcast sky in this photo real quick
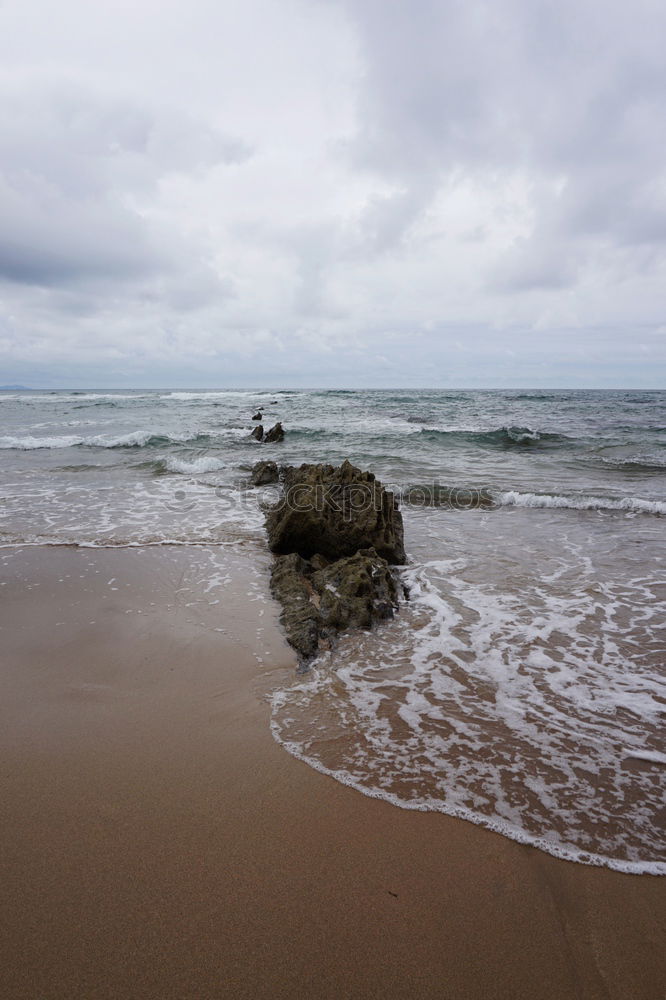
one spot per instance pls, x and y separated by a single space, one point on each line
333 192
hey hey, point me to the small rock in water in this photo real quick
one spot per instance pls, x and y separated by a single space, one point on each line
276 433
258 415
258 433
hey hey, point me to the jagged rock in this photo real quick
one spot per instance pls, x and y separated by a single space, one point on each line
264 473
258 415
276 433
258 433
319 599
319 562
334 532
335 512
300 616
355 591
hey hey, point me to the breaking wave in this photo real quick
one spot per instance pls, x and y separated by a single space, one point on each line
481 497
136 439
501 437
193 466
634 505
641 463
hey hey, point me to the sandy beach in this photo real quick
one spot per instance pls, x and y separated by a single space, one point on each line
157 843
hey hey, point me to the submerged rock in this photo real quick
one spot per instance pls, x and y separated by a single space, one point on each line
335 512
276 433
264 473
258 433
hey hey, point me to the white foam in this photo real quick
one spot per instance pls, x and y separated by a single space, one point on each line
46 398
155 509
136 439
95 396
506 829
195 466
512 498
130 440
646 460
510 699
653 756
29 443
230 394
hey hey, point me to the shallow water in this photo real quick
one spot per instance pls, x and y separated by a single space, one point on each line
522 686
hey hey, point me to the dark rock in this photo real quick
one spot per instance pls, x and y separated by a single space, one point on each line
319 562
264 473
274 434
355 591
257 416
258 433
335 512
300 615
334 532
317 603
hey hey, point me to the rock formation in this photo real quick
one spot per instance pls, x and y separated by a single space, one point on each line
258 432
336 512
276 433
335 532
264 473
318 603
258 415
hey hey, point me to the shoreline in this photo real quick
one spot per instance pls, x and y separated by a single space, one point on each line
157 841
649 869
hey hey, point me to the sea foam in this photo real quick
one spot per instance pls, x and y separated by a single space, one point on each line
635 505
514 701
194 466
134 439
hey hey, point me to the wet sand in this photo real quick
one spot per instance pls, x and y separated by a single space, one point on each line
157 843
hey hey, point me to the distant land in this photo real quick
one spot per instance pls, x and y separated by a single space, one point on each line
14 388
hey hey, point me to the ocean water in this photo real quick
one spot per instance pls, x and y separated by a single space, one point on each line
523 685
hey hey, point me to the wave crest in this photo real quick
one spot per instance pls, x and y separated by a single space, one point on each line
639 463
634 505
500 437
135 439
193 466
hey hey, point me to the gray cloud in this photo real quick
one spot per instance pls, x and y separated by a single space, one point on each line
74 168
334 189
572 92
